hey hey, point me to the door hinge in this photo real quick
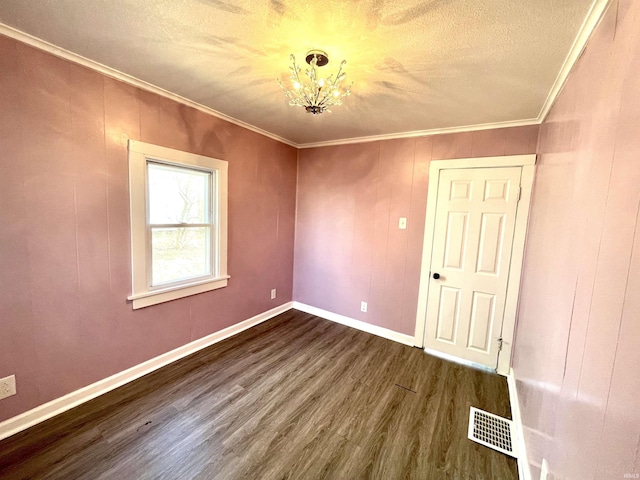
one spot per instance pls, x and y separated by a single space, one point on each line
500 342
519 194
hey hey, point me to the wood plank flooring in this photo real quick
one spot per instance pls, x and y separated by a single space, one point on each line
296 397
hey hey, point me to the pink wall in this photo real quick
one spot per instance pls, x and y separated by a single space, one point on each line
348 246
64 235
577 351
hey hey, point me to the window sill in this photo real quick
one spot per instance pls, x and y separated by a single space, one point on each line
154 297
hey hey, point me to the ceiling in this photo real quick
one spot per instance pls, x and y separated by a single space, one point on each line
416 65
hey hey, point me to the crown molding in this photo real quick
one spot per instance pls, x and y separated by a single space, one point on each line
123 77
590 23
423 133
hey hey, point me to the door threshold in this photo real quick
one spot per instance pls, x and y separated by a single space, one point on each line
461 361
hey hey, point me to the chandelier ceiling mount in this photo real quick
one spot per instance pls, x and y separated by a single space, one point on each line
321 57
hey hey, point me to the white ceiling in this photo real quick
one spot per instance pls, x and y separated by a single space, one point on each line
416 65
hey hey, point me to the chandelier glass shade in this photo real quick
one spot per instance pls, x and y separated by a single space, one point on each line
311 91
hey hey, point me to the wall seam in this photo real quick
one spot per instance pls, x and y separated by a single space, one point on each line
407 234
593 284
615 354
106 164
371 261
295 226
21 94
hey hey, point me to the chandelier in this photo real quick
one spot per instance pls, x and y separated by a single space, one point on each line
315 94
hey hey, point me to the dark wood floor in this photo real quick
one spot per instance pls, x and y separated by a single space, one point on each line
295 397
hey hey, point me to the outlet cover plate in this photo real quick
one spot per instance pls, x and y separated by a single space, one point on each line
363 307
273 293
7 386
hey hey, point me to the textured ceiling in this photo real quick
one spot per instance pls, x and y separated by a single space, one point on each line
415 65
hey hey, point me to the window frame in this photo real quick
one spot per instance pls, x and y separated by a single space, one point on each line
212 201
143 293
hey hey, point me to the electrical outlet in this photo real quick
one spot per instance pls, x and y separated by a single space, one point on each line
544 470
273 293
402 223
363 306
7 386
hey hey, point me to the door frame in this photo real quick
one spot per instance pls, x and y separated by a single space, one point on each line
527 162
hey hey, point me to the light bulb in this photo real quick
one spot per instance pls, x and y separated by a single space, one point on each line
296 85
321 82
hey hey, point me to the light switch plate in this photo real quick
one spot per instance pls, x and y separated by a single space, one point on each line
402 224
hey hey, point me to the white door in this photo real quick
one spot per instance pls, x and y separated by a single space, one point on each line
472 243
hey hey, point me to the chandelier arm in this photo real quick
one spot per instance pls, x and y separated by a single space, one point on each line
327 99
317 87
302 92
336 82
317 96
326 102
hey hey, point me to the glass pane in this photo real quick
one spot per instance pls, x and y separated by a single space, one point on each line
179 253
178 195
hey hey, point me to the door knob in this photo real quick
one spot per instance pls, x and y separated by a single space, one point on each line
436 276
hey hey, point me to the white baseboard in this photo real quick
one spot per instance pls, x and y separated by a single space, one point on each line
59 405
524 473
357 324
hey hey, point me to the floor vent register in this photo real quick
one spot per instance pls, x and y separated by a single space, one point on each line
492 431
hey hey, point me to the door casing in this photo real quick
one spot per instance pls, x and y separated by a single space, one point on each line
527 162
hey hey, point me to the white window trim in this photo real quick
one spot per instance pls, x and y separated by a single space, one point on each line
143 295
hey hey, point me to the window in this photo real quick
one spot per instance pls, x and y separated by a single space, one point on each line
178 223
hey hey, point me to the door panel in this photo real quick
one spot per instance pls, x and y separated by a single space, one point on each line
496 190
482 313
460 190
448 314
456 240
490 245
472 241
